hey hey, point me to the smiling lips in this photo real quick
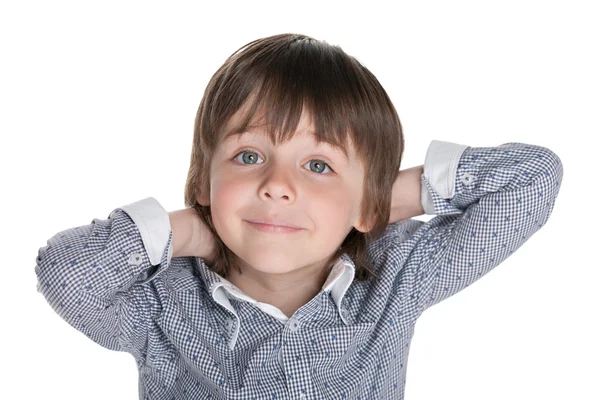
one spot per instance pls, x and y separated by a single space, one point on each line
263 227
269 220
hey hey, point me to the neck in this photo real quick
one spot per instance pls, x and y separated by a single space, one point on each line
287 291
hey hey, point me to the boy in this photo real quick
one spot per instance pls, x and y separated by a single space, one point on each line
296 271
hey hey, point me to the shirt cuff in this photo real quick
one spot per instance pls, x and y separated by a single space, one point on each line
154 225
441 164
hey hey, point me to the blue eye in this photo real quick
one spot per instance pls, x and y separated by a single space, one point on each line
252 157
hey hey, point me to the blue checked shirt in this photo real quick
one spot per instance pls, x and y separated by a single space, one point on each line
194 335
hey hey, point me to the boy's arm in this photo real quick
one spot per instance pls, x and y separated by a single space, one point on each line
488 201
93 276
191 237
183 230
406 195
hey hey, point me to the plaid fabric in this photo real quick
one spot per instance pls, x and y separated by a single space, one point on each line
194 335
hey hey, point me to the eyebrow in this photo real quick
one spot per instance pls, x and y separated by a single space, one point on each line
240 135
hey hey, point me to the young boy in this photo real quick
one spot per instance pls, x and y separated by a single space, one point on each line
296 271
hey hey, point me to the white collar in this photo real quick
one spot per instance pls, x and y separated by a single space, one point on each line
337 283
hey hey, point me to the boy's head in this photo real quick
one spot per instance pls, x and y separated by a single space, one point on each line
294 128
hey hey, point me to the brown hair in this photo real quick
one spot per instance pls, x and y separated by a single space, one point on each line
283 76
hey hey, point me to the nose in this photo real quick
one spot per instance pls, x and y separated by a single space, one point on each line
279 186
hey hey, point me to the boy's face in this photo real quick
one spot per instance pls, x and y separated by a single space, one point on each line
289 182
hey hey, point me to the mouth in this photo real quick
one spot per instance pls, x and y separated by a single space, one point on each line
273 228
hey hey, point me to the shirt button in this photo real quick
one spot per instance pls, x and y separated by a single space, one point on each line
293 325
135 259
467 178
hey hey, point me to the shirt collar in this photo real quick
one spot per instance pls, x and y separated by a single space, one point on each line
337 283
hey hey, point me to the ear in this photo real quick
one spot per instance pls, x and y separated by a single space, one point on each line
364 226
202 198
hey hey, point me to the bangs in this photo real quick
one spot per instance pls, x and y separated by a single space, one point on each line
270 95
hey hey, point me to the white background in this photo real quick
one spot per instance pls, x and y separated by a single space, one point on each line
98 101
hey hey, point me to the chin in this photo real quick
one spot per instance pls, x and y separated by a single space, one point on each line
271 265
276 268
273 271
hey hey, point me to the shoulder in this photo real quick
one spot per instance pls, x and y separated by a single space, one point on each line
396 240
183 275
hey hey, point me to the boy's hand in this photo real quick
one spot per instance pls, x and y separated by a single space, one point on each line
191 237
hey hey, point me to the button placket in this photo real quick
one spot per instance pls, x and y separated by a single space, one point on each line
294 325
135 259
230 324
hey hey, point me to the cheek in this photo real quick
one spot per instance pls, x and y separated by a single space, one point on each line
332 216
224 192
331 209
226 198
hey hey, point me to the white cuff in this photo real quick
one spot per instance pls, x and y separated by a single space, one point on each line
154 225
426 200
441 163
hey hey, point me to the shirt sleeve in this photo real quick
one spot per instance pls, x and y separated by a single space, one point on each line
94 276
488 201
